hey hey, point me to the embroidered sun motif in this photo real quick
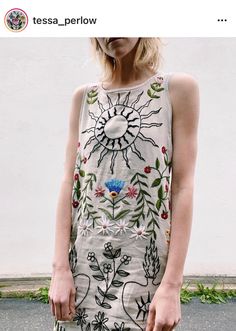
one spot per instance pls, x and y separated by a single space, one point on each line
118 127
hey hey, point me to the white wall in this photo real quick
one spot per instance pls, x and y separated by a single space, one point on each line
37 79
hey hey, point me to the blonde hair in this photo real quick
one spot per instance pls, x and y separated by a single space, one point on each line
147 56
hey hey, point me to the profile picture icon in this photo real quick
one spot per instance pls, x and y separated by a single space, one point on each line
16 20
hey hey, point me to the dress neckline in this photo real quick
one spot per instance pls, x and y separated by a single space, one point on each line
137 86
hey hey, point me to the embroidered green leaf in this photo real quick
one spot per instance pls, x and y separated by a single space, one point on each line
116 283
117 253
108 255
99 277
111 296
106 305
157 163
149 92
106 212
142 175
143 183
82 173
123 273
122 214
138 208
94 267
98 301
156 182
126 202
160 193
158 204
100 291
146 193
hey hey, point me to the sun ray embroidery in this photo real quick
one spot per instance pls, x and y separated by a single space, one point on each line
118 127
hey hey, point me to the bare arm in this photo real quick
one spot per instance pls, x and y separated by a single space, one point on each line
165 309
185 100
62 290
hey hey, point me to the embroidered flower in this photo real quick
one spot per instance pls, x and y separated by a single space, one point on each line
139 232
159 80
164 215
166 188
108 247
80 317
132 192
99 322
107 268
147 169
163 149
125 259
91 256
105 225
99 191
114 186
84 226
121 226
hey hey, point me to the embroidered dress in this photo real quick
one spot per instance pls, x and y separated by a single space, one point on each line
121 208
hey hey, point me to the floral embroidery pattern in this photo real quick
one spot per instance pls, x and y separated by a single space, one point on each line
104 272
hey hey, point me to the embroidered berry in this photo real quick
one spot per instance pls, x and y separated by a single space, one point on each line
164 215
76 177
166 188
85 159
75 203
163 149
147 169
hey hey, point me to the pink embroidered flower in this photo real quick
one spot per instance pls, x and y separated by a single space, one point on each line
76 177
163 149
99 191
132 192
159 80
164 215
75 203
147 169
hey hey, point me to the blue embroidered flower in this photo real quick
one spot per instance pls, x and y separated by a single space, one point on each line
115 186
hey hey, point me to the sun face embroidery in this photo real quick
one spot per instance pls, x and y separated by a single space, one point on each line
118 127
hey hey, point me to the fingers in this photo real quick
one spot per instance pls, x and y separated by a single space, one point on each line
72 302
57 307
150 320
65 310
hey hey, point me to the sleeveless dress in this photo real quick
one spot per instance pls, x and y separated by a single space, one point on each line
121 208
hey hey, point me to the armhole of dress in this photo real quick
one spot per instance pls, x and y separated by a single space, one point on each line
82 106
169 106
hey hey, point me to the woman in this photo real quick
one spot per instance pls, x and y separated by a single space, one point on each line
125 207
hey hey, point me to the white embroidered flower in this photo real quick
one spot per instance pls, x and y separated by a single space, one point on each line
121 226
105 225
84 226
139 232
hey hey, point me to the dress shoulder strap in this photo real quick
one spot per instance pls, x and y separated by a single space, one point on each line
166 80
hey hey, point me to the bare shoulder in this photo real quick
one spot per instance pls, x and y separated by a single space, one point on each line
184 92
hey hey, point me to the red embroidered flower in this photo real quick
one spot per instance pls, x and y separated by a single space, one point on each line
75 203
132 192
164 215
163 149
99 191
166 188
76 177
147 169
85 159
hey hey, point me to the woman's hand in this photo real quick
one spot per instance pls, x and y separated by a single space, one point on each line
62 294
165 309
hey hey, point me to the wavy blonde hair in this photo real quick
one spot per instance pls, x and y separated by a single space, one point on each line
147 57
